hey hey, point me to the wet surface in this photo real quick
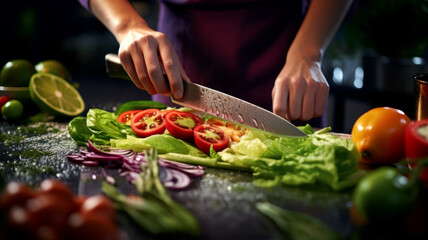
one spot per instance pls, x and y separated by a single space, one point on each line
223 201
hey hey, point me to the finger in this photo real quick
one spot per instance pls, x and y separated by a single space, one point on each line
154 70
297 89
308 104
280 95
141 69
171 66
128 65
183 73
321 100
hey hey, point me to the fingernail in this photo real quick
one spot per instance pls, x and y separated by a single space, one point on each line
178 94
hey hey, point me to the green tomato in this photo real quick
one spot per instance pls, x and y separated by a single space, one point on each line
383 194
12 110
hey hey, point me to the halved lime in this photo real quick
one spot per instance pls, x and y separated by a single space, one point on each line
54 95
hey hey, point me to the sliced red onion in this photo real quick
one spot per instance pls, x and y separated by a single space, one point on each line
90 163
192 170
112 151
174 175
103 158
179 180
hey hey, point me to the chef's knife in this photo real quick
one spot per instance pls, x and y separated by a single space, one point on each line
219 104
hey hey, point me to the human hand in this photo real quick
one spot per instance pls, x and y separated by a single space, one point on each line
300 91
145 54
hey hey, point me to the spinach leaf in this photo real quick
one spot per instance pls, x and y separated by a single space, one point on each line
78 130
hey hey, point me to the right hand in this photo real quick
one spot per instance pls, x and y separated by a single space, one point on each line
145 54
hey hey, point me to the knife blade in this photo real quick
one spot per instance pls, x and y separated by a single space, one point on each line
219 104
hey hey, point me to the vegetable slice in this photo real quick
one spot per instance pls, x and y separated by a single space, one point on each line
181 124
208 135
416 145
416 139
148 122
127 116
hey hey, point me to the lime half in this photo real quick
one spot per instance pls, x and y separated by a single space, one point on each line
54 95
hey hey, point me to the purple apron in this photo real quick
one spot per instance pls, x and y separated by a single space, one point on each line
234 46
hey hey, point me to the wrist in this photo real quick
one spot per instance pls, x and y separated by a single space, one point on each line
124 27
307 53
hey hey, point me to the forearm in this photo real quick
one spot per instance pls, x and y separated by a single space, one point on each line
119 16
319 27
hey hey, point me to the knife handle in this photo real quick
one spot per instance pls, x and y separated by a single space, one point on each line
114 68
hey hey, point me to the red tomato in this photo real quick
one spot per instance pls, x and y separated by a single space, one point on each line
206 135
148 122
91 227
57 189
181 124
165 112
416 144
100 206
416 139
235 132
48 210
15 194
127 116
379 135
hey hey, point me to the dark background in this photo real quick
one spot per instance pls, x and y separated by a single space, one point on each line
65 31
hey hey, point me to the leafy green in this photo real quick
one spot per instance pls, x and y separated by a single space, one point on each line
99 126
321 157
155 211
297 225
105 125
79 131
164 143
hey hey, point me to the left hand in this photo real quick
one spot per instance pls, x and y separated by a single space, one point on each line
300 91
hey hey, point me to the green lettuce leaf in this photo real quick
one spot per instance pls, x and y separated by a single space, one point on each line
105 126
164 143
321 157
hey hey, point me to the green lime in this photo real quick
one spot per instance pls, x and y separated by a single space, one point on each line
54 95
54 67
12 110
16 73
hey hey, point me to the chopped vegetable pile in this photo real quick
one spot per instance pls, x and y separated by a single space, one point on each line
319 158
